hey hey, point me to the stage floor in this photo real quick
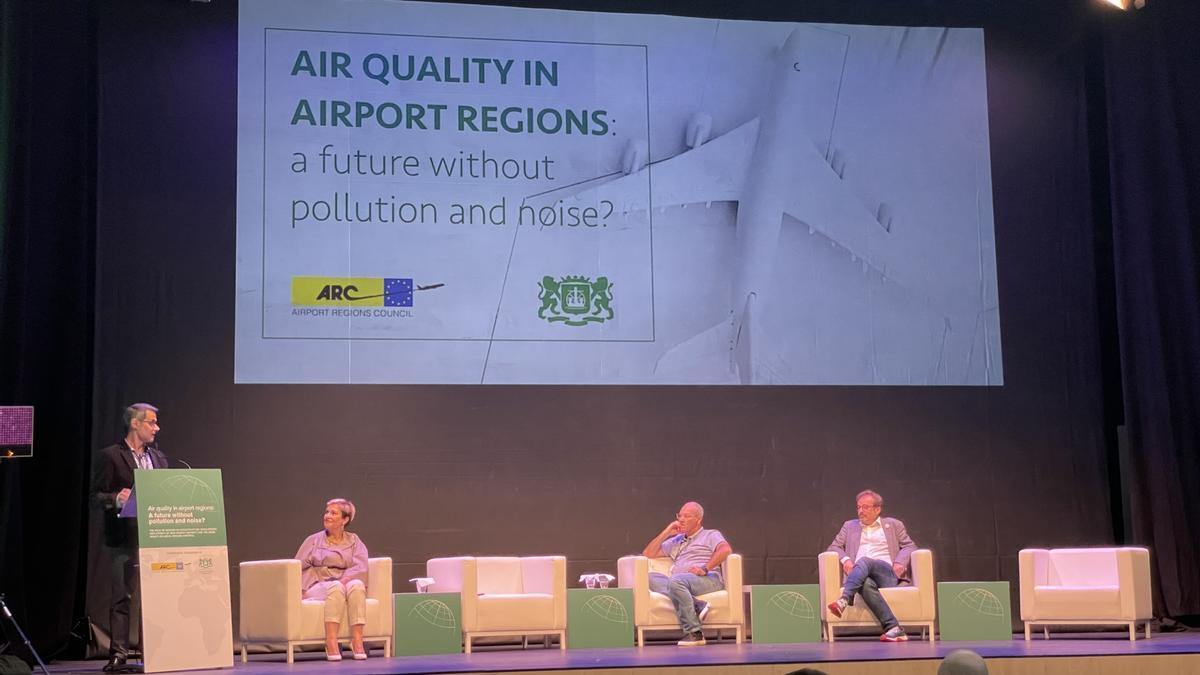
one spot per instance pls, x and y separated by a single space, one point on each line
1067 653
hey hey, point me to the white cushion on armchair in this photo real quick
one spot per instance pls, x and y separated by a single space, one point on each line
505 595
1085 586
274 613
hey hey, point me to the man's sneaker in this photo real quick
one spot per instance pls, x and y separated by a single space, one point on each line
836 608
693 640
894 634
701 610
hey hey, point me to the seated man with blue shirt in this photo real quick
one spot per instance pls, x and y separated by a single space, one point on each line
875 553
696 555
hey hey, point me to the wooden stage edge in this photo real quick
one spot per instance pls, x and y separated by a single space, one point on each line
1158 664
1155 664
1080 654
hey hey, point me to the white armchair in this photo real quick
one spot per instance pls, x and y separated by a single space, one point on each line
505 596
273 611
654 611
1085 586
913 605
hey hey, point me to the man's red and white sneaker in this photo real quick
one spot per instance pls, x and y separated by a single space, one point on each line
837 607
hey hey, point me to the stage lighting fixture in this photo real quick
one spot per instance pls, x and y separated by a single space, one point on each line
1124 4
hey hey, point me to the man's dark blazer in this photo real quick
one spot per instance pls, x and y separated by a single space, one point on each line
112 471
900 546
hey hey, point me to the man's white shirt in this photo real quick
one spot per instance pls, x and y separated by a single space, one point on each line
873 543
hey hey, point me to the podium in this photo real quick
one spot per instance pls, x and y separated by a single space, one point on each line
184 570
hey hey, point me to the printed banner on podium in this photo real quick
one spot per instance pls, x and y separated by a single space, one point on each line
186 619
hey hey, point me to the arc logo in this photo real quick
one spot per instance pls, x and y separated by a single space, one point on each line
351 292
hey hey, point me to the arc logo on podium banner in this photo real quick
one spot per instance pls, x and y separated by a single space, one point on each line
184 570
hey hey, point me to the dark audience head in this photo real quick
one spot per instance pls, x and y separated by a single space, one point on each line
962 662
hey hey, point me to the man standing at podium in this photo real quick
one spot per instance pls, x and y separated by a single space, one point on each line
112 484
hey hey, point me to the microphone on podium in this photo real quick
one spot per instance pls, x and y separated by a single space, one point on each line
154 446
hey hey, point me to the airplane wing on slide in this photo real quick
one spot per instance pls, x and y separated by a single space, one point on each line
714 172
772 169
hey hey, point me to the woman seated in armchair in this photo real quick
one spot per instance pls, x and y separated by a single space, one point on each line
333 568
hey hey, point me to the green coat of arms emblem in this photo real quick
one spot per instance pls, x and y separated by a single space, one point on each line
575 301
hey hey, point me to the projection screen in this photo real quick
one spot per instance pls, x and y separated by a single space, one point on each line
441 193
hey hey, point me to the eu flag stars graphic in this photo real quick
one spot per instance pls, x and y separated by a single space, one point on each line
397 293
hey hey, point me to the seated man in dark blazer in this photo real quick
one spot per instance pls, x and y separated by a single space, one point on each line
875 553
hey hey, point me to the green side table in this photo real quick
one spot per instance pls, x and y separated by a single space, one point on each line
426 623
974 610
783 613
599 617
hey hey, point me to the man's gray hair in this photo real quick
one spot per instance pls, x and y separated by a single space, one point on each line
873 494
137 411
699 509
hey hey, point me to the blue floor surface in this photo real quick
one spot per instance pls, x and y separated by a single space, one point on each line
714 654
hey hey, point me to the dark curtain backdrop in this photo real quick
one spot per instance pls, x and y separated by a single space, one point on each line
503 469
1154 134
139 100
47 258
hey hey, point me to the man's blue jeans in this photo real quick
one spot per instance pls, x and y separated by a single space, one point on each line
866 578
683 588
